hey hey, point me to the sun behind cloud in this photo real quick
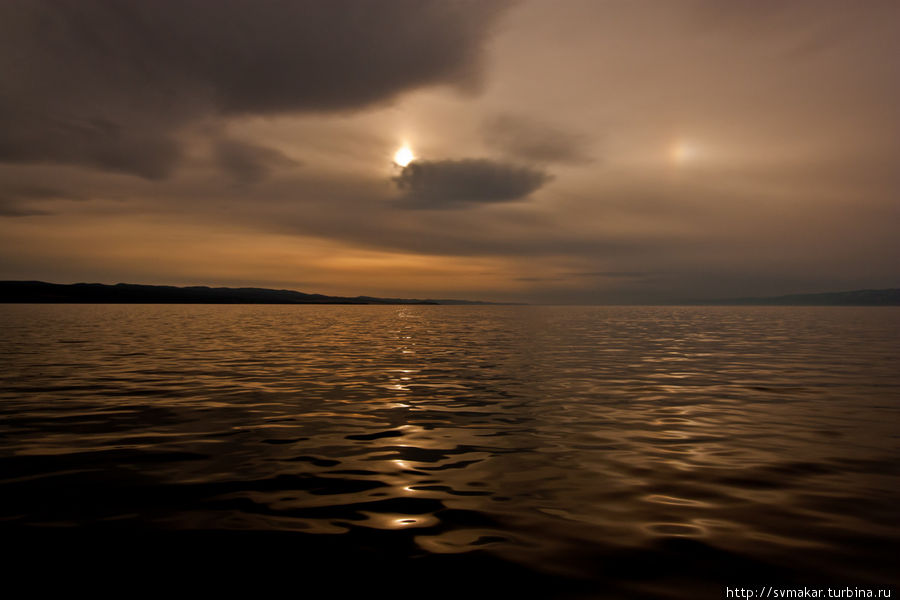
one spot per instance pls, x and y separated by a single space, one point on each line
404 156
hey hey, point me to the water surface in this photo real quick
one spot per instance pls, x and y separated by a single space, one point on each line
594 452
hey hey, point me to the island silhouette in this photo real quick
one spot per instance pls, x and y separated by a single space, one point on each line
130 293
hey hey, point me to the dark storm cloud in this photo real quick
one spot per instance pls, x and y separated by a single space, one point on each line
535 141
248 163
113 84
453 183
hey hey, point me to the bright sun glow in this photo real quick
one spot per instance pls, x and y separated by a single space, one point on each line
404 156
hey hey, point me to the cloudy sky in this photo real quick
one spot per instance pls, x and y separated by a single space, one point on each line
565 151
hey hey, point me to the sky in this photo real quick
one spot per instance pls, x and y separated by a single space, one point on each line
563 151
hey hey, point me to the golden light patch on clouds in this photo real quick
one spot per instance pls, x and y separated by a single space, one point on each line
351 268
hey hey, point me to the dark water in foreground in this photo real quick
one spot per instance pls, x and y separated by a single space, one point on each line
596 452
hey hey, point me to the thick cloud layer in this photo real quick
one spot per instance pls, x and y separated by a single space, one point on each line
450 183
112 84
699 148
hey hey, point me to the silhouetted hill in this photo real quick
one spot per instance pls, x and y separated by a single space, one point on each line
128 293
888 297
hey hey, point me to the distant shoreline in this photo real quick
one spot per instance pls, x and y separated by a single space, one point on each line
40 292
883 297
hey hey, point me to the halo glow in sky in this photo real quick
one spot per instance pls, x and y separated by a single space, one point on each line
568 152
683 151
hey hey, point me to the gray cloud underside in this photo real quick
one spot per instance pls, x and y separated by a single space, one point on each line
454 183
531 140
612 274
248 163
18 200
10 208
113 84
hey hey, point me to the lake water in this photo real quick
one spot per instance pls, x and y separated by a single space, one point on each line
577 452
